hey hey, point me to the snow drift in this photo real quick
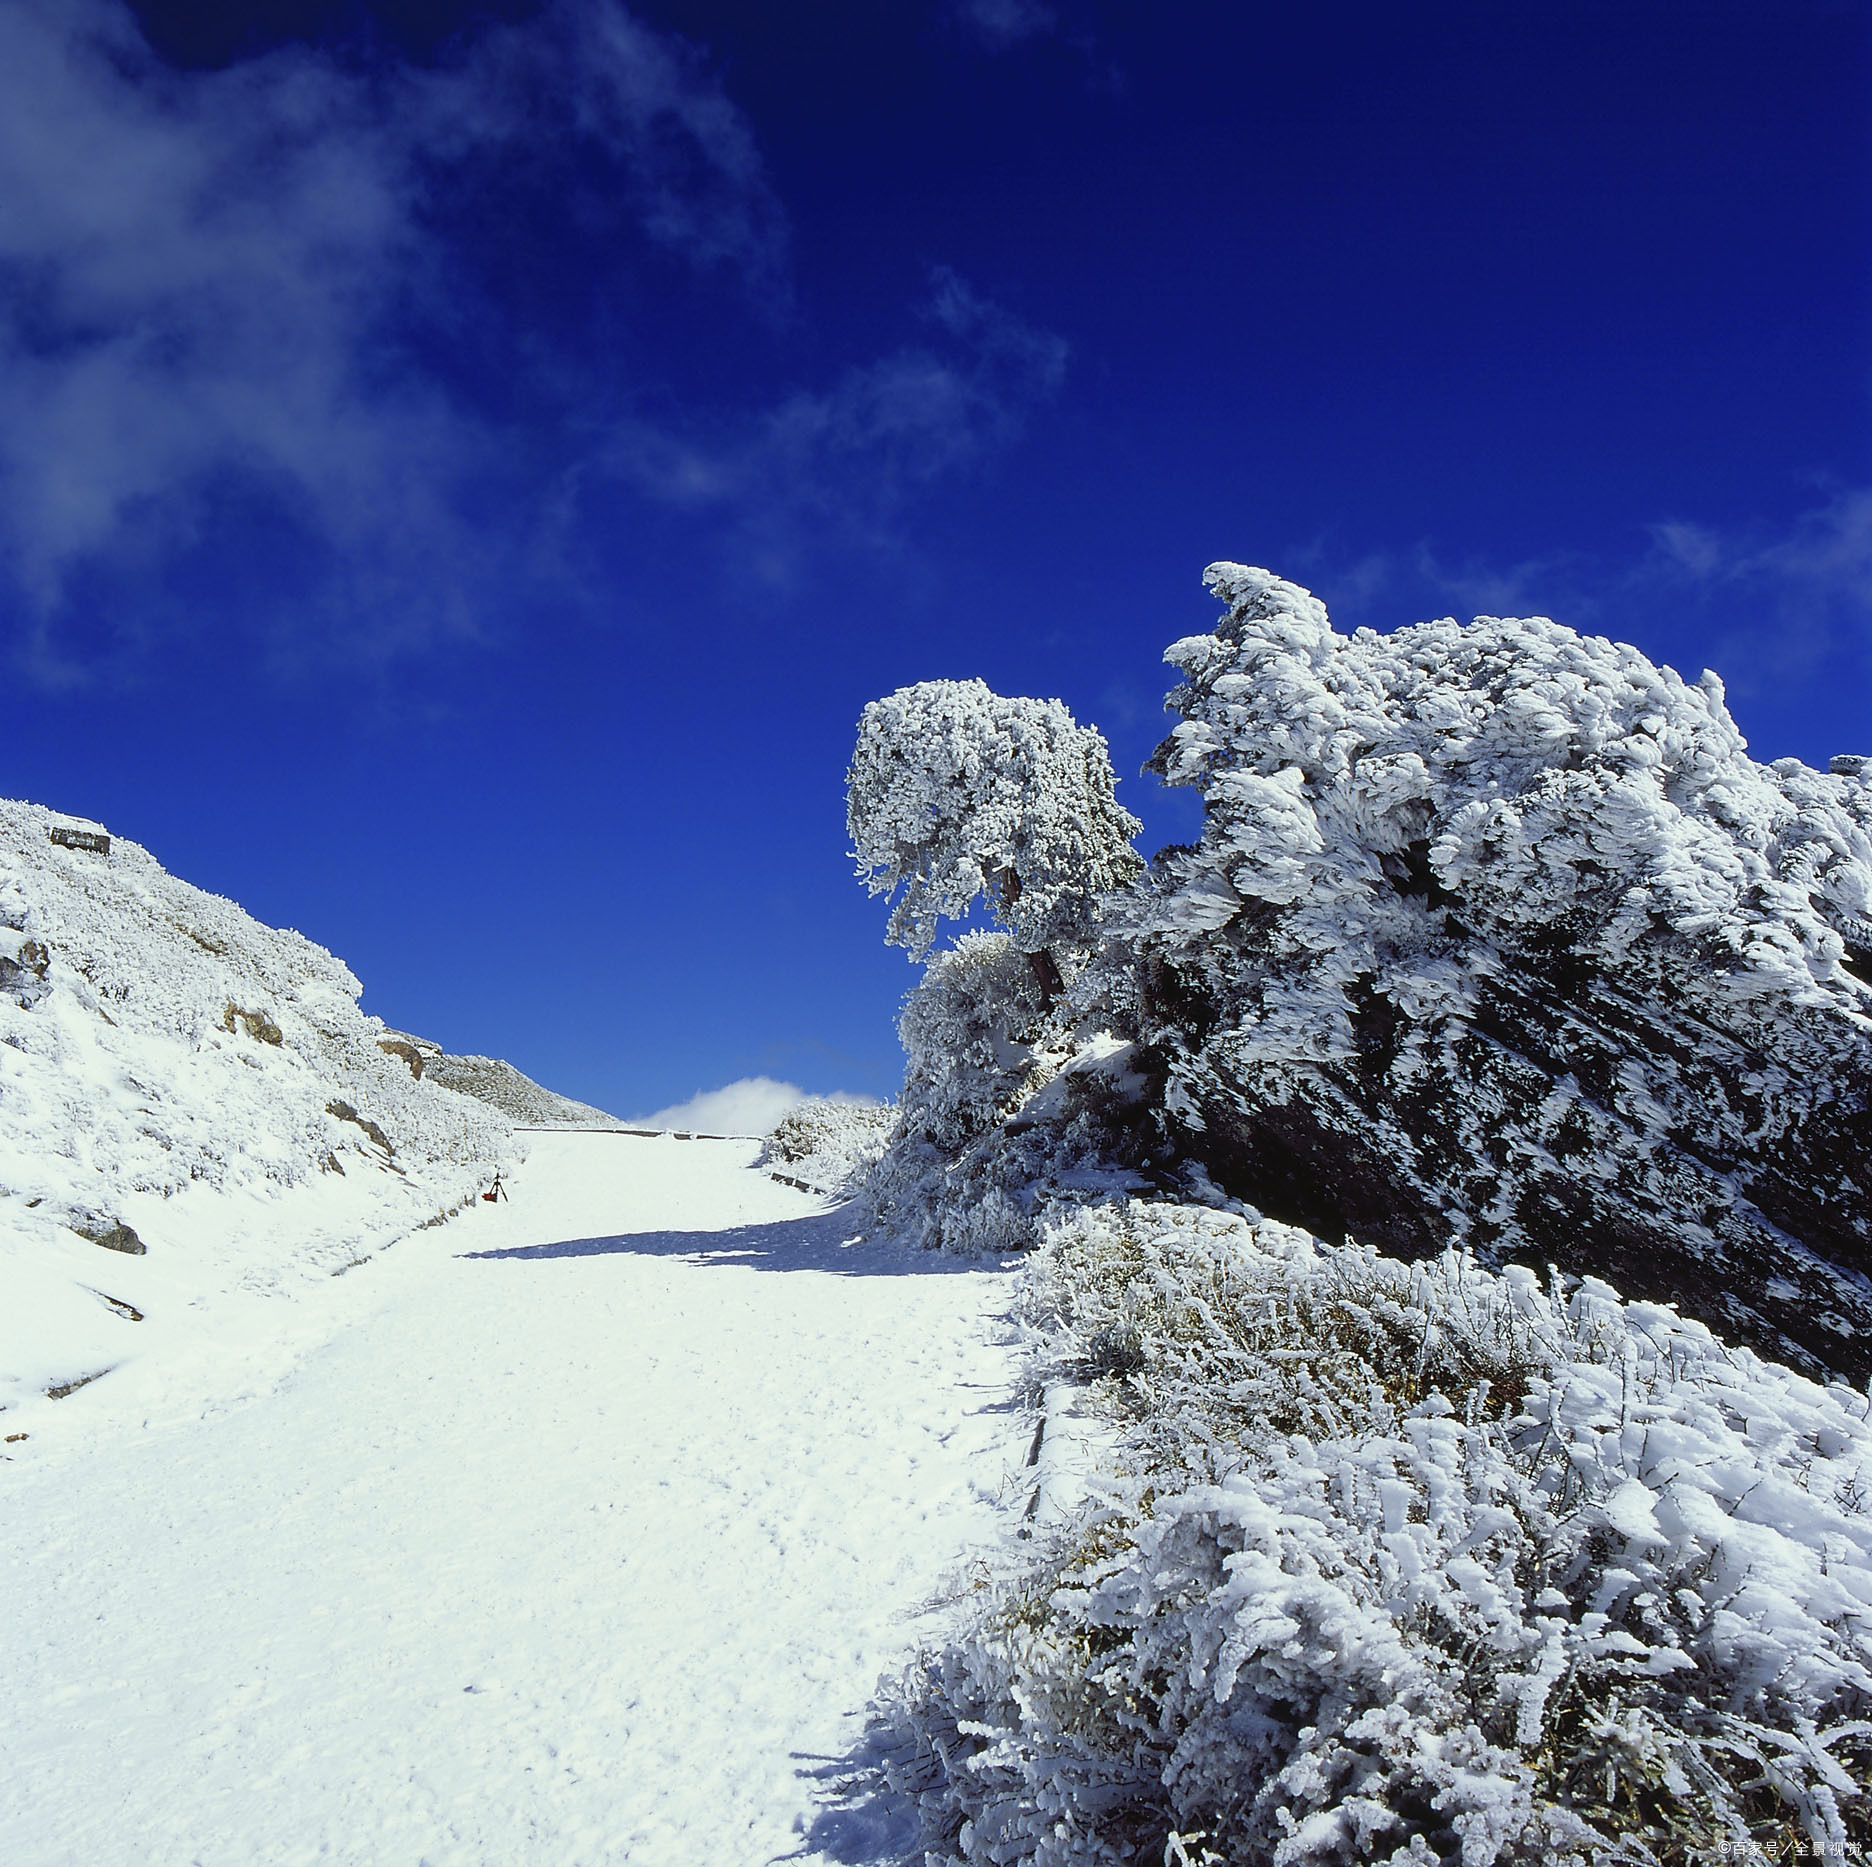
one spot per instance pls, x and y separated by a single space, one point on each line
190 1103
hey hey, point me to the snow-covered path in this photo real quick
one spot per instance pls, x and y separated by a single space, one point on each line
581 1537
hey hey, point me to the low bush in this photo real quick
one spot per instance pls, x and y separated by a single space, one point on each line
828 1144
1410 1563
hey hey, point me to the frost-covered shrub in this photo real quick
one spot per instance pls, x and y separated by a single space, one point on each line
978 1037
1496 935
1410 1563
828 1144
955 792
1005 1112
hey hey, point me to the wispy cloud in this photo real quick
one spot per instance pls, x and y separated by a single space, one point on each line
1530 586
1000 27
1783 602
216 286
1815 573
852 453
999 24
1763 604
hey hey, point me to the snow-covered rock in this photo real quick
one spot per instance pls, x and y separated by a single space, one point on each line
495 1081
1496 936
191 1104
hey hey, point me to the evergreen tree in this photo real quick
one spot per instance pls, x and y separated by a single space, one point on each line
956 793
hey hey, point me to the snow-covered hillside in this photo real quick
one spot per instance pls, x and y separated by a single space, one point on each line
191 1105
495 1081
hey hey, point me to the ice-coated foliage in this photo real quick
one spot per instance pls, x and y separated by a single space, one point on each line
1541 776
1004 1112
955 792
828 1143
977 1037
1496 935
1495 946
1409 1563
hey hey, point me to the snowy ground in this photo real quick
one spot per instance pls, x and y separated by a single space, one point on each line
576 1530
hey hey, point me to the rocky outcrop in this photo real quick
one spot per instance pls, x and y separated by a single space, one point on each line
494 1081
1496 936
100 1228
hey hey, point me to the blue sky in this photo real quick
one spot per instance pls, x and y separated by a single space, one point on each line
463 468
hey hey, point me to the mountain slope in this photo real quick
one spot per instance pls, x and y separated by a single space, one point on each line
496 1082
191 1104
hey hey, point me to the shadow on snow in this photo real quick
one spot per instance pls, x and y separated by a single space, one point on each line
820 1241
862 1820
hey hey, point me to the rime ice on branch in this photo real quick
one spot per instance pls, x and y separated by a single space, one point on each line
1496 934
955 793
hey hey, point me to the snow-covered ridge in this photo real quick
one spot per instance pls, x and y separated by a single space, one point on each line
190 1103
495 1081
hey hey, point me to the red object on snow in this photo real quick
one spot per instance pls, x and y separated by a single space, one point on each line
490 1197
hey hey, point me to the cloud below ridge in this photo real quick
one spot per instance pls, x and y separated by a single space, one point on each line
751 1106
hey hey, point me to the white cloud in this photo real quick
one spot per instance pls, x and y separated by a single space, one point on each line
1383 589
751 1106
851 454
1780 604
1537 586
209 279
920 411
1777 609
1816 570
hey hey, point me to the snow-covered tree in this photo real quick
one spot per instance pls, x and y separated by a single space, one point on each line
1495 934
1496 949
956 793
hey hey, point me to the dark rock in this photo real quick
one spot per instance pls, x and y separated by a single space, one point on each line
256 1024
95 841
62 1389
346 1113
407 1052
23 979
112 1234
